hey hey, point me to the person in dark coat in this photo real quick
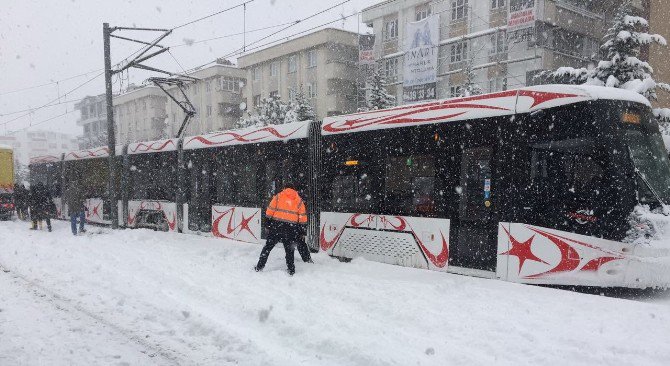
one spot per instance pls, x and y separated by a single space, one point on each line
41 204
287 216
21 201
75 198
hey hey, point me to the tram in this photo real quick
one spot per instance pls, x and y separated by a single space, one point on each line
535 185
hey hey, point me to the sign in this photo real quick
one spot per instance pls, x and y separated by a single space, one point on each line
420 60
522 14
366 53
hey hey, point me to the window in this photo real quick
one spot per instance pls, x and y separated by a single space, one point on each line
410 184
291 93
209 111
422 12
497 4
274 68
459 9
195 89
256 73
459 52
498 43
454 91
144 105
497 84
292 64
208 86
311 90
311 58
391 30
517 5
274 94
231 84
257 100
391 69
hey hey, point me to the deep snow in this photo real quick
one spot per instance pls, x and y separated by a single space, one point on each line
136 297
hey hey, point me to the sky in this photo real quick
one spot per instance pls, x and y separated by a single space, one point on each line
51 47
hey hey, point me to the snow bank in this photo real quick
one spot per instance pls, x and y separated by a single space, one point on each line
195 300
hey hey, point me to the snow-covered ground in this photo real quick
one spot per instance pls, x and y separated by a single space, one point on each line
136 297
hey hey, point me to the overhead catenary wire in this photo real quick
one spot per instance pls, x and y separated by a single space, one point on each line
214 14
291 24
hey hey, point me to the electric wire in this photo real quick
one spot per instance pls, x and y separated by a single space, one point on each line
214 14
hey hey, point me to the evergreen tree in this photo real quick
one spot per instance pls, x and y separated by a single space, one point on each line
300 109
470 86
271 111
621 67
379 98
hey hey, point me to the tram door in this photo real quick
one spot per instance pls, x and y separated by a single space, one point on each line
475 246
200 203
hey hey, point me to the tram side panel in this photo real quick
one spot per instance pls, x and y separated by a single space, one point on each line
152 189
232 175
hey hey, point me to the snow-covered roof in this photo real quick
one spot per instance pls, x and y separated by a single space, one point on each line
503 103
152 146
250 135
42 159
7 147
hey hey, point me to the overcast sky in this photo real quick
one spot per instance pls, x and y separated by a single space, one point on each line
46 41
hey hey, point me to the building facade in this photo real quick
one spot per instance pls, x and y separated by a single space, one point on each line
657 13
93 119
139 115
324 64
30 143
506 43
216 96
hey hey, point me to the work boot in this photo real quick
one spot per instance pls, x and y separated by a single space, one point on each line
290 272
257 269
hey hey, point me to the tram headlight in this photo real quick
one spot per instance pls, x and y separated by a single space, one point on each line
351 162
630 117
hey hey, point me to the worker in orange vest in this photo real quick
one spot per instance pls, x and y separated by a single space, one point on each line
287 216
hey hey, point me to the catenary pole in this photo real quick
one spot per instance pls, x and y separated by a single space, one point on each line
111 136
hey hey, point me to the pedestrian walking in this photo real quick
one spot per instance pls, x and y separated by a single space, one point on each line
21 201
75 199
287 217
41 205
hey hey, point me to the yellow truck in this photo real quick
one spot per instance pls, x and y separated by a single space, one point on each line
6 182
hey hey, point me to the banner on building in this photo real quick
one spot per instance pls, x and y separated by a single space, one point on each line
420 61
366 46
522 14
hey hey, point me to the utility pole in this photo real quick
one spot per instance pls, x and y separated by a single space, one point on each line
111 135
136 62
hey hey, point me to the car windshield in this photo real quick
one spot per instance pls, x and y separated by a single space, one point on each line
651 160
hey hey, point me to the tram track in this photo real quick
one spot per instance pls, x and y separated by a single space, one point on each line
159 354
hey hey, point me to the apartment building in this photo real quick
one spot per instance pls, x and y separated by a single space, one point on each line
657 12
93 118
216 96
505 42
140 115
31 143
323 63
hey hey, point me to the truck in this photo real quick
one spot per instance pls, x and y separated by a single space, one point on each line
6 182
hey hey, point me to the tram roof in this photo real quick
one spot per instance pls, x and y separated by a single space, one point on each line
503 103
250 135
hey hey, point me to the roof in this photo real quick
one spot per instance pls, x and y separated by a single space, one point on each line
250 135
152 146
503 103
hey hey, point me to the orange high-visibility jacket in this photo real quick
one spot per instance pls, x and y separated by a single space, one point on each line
287 206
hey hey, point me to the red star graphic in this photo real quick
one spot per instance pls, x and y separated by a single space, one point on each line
522 251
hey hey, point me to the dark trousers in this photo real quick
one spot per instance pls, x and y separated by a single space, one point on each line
47 219
288 234
73 221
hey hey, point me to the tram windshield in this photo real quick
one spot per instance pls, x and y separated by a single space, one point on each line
649 156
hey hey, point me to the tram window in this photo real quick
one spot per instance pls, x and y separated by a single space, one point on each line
567 174
410 182
352 193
